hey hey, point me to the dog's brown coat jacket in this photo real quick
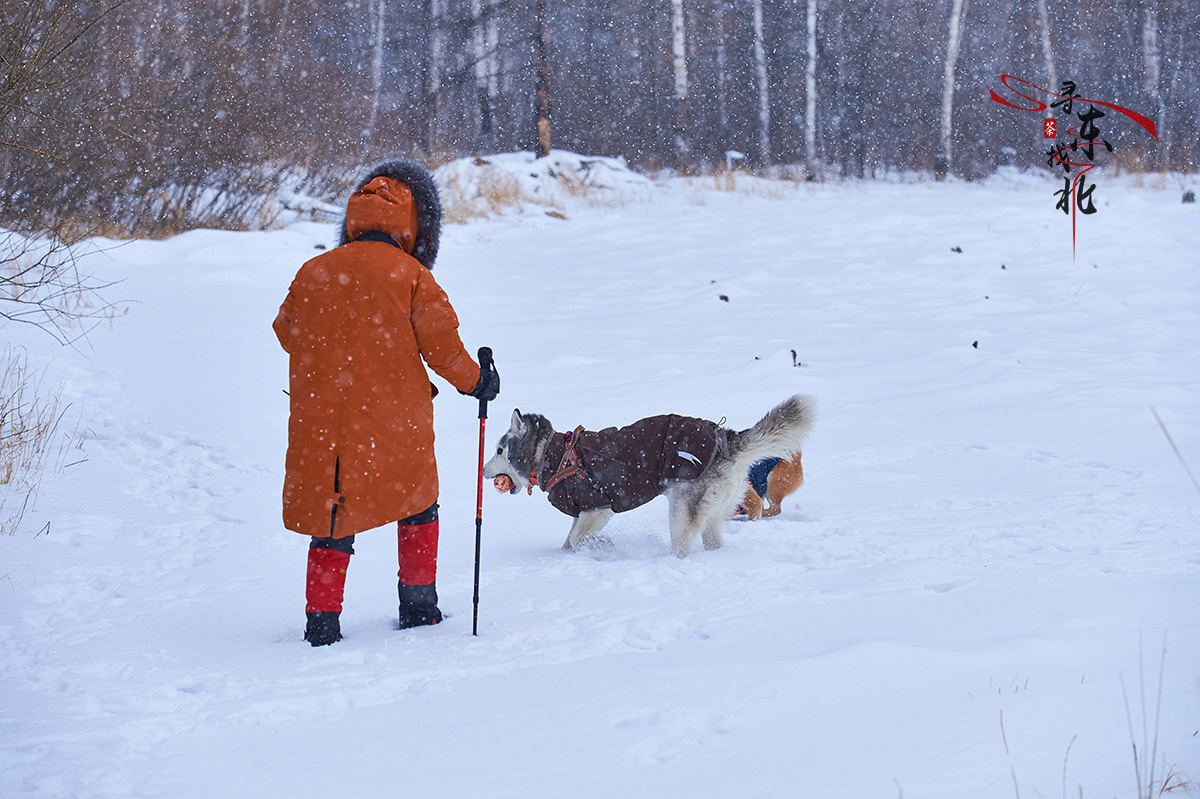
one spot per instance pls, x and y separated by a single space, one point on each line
632 464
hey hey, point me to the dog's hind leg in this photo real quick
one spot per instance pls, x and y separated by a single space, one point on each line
785 479
752 504
711 533
718 495
686 516
586 523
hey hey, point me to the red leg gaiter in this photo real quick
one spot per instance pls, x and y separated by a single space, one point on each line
326 580
418 545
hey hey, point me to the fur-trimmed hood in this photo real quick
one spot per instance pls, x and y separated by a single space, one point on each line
420 182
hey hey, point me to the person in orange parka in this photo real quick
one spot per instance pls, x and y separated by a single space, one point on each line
357 323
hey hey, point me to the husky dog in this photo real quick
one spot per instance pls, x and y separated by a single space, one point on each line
699 465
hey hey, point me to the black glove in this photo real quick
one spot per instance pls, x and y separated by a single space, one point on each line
488 385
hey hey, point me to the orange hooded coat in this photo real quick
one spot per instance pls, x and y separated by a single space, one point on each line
357 323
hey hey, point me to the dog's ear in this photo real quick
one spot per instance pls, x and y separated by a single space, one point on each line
518 423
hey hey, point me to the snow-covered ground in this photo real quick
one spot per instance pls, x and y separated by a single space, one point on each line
994 539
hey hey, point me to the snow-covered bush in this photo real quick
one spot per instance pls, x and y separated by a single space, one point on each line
481 187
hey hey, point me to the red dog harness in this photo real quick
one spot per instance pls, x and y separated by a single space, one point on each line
570 466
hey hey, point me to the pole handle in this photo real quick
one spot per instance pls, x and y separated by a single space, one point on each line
485 366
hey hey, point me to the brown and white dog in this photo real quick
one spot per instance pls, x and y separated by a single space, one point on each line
700 466
777 482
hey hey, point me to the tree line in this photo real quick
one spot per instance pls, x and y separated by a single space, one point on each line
149 117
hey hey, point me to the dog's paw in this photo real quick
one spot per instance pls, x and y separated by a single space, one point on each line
596 543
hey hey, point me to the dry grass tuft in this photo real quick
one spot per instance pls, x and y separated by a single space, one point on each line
31 437
574 186
492 192
748 184
725 179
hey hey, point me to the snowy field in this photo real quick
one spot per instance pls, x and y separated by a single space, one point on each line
994 538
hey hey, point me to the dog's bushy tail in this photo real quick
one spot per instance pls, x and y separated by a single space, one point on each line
779 434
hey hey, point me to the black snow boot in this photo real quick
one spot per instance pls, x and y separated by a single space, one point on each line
324 628
418 606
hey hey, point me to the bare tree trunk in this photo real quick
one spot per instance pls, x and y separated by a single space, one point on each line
722 107
1152 57
1166 129
542 90
244 25
437 58
945 158
810 91
485 39
679 63
376 70
139 42
764 92
1047 45
1047 55
280 52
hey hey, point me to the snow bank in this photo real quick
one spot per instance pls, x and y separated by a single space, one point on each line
992 541
477 187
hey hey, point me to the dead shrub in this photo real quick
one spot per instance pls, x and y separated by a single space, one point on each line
481 193
41 283
31 436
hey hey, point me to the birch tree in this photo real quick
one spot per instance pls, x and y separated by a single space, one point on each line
542 89
437 61
945 158
486 41
376 69
1047 45
1167 126
1152 60
722 74
679 65
244 25
764 92
810 94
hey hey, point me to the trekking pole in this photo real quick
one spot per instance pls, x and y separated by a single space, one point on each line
485 366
